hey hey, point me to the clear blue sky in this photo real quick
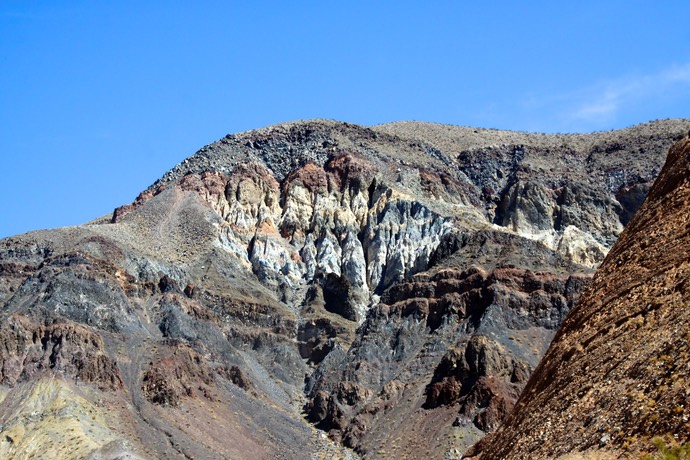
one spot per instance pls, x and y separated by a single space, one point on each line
98 99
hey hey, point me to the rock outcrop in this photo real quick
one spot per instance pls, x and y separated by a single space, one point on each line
449 349
65 347
398 279
613 384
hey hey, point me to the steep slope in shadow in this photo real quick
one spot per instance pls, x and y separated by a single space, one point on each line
616 375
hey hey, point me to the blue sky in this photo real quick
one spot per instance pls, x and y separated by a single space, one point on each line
99 99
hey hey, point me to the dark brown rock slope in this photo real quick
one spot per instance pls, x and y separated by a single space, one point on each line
392 286
617 373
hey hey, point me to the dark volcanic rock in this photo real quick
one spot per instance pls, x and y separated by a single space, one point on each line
29 349
481 378
410 274
464 339
613 384
171 377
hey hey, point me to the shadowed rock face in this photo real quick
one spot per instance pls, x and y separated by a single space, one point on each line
616 375
448 349
403 278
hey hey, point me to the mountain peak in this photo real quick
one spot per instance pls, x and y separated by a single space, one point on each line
314 288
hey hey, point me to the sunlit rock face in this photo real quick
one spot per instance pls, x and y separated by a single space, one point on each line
330 222
313 289
613 383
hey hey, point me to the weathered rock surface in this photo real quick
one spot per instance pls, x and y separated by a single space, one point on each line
28 349
450 349
615 377
411 275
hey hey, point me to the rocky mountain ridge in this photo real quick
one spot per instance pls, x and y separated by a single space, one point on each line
404 278
614 381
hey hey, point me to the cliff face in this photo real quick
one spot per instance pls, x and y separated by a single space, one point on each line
400 279
615 377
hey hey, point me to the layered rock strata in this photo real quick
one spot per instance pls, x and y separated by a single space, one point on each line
403 278
614 381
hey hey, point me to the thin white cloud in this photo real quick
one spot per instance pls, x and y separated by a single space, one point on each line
604 101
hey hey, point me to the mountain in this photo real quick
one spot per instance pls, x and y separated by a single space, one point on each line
613 384
314 289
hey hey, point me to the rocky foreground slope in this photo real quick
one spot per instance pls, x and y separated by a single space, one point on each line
313 289
614 383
